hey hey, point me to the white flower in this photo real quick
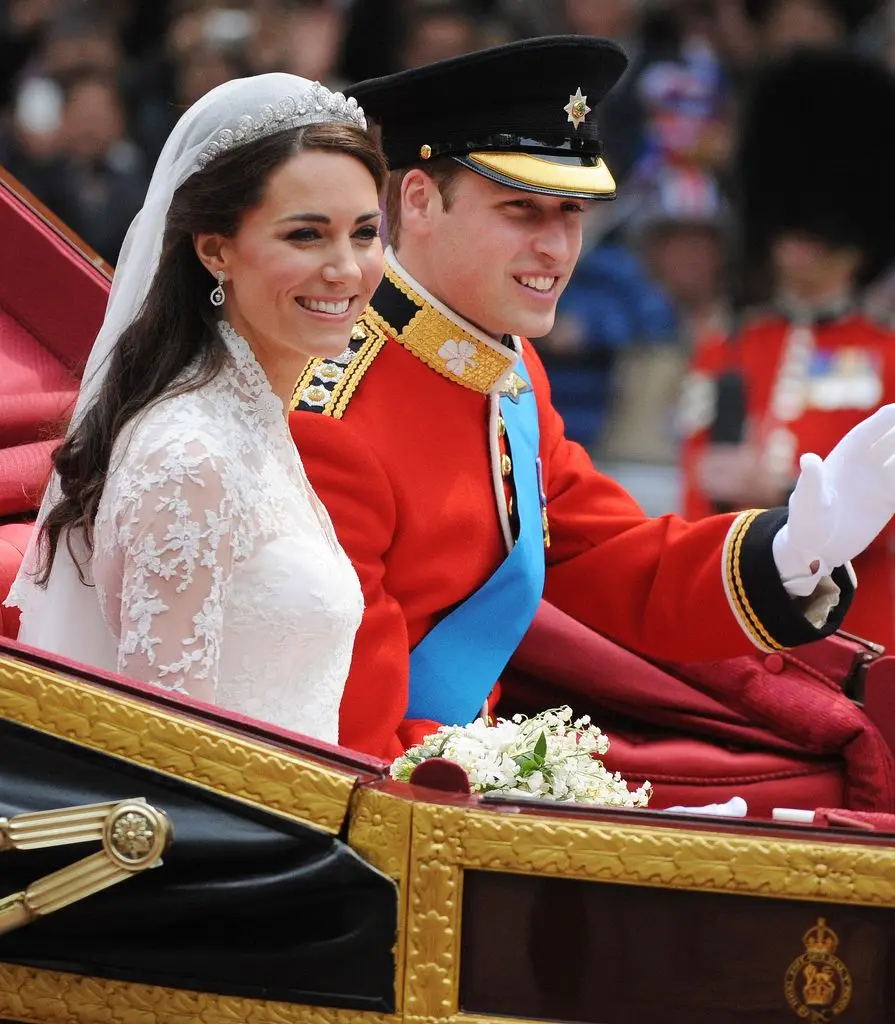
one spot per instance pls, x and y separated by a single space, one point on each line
457 355
547 756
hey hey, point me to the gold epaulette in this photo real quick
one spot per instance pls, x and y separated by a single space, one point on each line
327 385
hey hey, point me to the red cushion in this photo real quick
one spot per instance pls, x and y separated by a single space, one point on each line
13 541
33 415
49 286
24 471
694 772
776 734
26 365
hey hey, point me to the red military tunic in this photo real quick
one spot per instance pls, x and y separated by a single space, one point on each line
401 440
806 386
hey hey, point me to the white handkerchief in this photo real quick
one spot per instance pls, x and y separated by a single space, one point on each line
734 808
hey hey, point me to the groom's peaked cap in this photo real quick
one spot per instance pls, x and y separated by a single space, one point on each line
523 114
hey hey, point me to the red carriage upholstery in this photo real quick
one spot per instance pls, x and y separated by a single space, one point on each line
13 541
53 292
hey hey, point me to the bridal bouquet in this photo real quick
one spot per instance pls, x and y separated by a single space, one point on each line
548 756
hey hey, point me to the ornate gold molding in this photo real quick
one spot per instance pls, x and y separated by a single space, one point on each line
380 832
443 841
676 858
433 914
35 997
160 739
449 840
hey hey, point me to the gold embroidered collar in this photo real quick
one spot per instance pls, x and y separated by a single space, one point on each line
437 336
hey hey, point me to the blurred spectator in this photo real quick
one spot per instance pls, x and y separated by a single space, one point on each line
436 31
264 49
783 25
673 105
622 115
798 374
667 131
609 306
372 38
204 45
384 36
615 19
682 233
101 176
22 25
78 42
30 141
199 70
313 33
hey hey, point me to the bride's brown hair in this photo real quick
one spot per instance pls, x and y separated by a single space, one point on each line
174 338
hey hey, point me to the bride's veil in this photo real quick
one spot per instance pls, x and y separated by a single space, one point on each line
64 617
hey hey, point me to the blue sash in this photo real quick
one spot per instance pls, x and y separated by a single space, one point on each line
455 666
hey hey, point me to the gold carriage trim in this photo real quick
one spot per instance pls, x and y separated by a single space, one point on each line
735 588
442 344
30 994
175 745
429 846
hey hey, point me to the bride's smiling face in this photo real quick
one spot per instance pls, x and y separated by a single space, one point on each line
304 261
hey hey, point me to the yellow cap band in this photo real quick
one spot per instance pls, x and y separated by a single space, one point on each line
541 172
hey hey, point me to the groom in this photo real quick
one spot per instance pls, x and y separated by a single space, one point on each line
433 442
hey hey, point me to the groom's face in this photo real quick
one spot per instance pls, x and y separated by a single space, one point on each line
498 256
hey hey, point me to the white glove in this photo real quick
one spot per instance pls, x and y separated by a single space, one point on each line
839 504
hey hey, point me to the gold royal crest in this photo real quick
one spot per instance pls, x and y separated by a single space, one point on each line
818 985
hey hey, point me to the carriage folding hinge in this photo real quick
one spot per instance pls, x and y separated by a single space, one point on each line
133 833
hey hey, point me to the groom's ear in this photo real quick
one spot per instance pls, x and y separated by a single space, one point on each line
209 249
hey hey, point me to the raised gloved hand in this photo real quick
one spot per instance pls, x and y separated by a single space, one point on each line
839 504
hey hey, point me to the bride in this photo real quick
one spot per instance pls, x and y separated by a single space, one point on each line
180 542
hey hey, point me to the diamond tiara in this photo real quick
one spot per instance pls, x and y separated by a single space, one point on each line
317 106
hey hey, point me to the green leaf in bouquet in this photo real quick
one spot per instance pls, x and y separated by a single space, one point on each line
541 747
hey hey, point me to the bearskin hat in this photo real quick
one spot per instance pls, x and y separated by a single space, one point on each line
816 154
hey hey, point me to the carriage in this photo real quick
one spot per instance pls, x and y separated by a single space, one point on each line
165 862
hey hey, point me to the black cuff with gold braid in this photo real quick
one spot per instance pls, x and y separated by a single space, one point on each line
769 616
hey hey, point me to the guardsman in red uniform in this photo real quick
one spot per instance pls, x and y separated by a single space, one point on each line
433 442
802 372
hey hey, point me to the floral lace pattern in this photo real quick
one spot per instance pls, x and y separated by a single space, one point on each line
216 566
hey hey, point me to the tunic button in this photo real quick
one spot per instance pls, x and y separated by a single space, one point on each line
501 427
506 465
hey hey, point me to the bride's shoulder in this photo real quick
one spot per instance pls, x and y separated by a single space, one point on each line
179 430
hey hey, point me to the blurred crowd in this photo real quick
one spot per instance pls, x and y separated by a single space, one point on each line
89 90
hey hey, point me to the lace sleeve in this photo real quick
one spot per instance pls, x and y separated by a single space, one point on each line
175 532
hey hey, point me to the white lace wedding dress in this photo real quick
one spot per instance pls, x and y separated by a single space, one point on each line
216 566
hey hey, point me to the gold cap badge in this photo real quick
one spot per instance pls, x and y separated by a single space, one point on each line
577 108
